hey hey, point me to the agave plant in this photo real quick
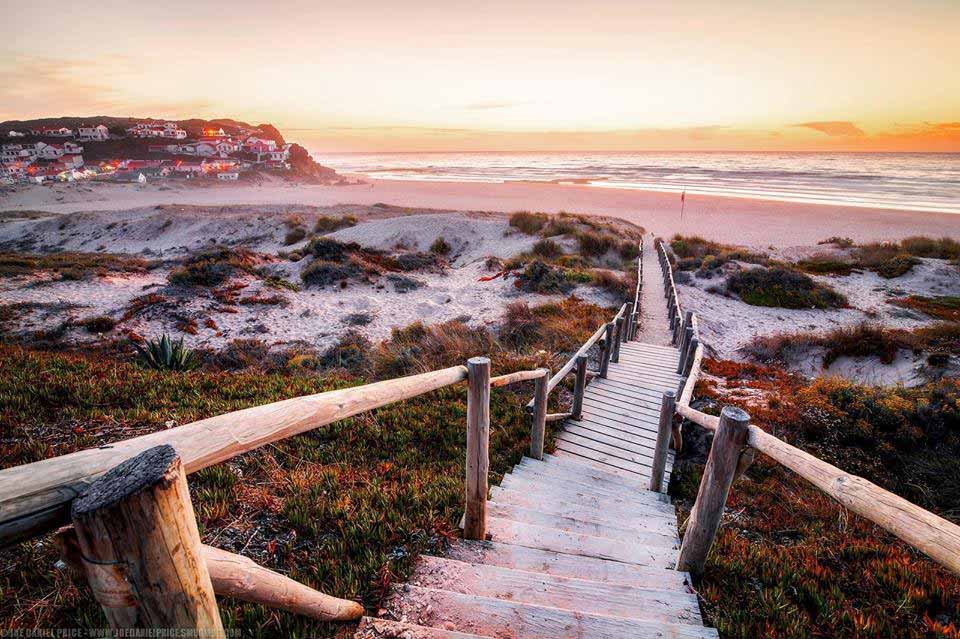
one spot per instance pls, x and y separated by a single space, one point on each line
166 355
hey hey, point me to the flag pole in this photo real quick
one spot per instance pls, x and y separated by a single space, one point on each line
683 203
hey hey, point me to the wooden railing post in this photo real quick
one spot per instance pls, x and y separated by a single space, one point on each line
688 361
607 349
617 340
539 427
729 442
664 432
685 348
627 316
478 447
141 548
579 385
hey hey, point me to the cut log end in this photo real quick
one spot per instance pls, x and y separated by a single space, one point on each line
149 468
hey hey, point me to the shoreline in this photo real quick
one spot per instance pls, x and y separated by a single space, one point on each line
727 219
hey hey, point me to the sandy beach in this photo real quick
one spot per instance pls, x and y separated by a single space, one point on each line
743 221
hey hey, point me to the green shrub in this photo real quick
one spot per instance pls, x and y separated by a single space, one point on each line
896 266
440 247
165 355
404 284
527 222
547 249
331 250
539 277
823 264
629 250
326 224
595 244
294 235
323 273
213 267
842 242
416 261
782 288
351 351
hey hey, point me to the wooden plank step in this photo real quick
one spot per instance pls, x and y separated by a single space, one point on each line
565 565
643 446
585 466
643 382
662 537
630 433
563 490
653 349
371 628
518 533
581 472
623 397
579 595
602 461
641 459
597 403
562 475
631 516
626 388
661 373
509 619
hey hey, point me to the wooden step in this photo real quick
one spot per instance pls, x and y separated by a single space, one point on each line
371 628
581 595
537 487
630 516
636 473
509 619
603 488
578 526
604 459
585 467
521 534
559 467
615 450
565 565
642 447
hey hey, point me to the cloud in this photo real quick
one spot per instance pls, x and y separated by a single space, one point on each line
834 128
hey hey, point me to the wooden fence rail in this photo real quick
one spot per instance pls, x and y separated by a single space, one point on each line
925 531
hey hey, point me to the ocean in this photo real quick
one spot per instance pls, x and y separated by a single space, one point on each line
910 181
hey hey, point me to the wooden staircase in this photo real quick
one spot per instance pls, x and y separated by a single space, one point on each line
578 546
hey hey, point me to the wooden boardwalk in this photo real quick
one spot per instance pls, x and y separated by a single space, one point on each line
578 546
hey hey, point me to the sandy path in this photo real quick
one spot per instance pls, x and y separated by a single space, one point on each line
753 222
654 325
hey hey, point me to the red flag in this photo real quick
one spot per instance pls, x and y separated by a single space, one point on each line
683 196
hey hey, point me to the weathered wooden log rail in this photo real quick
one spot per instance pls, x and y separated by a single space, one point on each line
735 443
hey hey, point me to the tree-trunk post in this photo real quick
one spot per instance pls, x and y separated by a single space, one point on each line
538 430
667 407
617 340
685 342
680 386
141 548
478 447
729 442
579 386
627 314
692 350
607 348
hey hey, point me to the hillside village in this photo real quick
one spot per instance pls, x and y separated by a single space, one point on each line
151 150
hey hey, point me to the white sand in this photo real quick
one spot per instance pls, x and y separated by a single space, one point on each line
317 316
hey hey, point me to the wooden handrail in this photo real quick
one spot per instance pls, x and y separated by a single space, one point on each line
519 376
35 498
922 529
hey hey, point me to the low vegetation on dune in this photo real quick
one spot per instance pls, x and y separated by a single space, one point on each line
70 265
596 238
788 560
337 262
887 259
783 288
939 341
944 307
694 253
214 266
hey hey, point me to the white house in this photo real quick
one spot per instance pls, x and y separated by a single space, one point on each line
18 152
49 151
228 175
16 134
166 130
97 133
71 148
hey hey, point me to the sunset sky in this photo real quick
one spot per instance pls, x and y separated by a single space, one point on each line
453 75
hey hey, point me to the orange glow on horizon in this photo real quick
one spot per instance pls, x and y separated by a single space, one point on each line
531 75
